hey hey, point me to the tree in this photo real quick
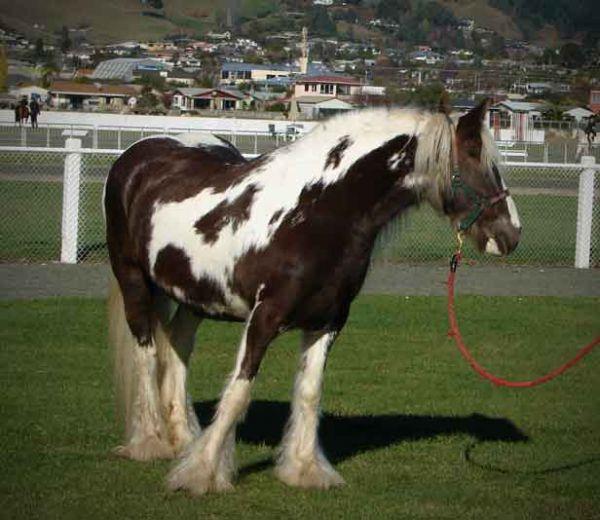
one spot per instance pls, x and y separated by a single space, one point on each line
38 52
319 22
3 69
393 9
572 56
65 40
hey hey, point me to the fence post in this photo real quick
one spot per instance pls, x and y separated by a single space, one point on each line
70 205
48 136
255 143
95 138
585 203
119 138
24 135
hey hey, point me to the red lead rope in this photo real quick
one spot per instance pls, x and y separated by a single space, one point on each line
455 333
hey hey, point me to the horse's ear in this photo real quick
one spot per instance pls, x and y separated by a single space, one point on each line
444 104
469 125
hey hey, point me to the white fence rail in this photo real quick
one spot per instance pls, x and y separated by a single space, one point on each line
100 136
51 200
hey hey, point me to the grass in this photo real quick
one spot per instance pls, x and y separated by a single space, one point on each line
401 413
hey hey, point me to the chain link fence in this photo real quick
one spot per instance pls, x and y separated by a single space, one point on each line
44 222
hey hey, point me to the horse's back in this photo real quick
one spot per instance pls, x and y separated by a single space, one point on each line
161 169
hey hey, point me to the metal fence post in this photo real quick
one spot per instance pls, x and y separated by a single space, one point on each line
70 205
585 204
48 136
23 135
255 143
95 138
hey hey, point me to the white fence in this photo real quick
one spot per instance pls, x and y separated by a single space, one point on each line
100 136
51 200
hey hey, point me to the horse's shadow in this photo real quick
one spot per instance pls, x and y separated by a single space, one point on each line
344 436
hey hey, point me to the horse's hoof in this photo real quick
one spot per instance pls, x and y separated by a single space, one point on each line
149 448
310 474
197 480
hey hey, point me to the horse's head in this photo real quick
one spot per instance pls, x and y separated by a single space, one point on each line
477 200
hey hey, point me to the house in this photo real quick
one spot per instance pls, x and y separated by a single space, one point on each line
515 121
594 104
234 73
90 96
30 92
328 86
578 114
124 69
189 99
317 107
181 76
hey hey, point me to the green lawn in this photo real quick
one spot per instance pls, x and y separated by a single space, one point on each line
412 430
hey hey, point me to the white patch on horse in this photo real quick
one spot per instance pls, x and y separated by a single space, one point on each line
491 247
395 160
279 184
512 208
415 181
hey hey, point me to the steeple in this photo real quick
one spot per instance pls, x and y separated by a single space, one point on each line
304 51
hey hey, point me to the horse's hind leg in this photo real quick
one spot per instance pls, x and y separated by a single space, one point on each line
175 343
301 461
131 321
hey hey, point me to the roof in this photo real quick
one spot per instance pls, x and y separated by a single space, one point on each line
313 68
234 66
519 106
335 103
313 99
339 80
122 68
73 87
203 92
181 73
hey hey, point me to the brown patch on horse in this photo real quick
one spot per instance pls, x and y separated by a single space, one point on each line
275 216
172 269
234 213
334 157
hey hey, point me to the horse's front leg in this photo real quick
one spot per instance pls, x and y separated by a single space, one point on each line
301 461
209 462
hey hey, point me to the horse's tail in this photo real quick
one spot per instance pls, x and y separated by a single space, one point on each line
123 344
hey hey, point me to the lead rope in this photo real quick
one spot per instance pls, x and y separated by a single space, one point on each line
454 332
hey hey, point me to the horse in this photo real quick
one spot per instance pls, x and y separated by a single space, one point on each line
21 113
284 241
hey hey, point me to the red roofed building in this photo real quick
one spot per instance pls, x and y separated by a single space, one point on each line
328 86
595 101
91 96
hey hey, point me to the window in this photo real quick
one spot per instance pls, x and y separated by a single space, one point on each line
225 74
306 87
313 88
326 88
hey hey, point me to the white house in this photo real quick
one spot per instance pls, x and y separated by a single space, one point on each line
328 86
188 99
514 121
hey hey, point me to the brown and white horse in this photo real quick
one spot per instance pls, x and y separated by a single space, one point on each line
280 242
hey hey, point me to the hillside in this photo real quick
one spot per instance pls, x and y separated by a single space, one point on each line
109 21
119 20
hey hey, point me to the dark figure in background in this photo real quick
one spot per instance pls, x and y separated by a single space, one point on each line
590 129
34 110
23 111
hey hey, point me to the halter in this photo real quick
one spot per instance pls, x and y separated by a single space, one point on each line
477 202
